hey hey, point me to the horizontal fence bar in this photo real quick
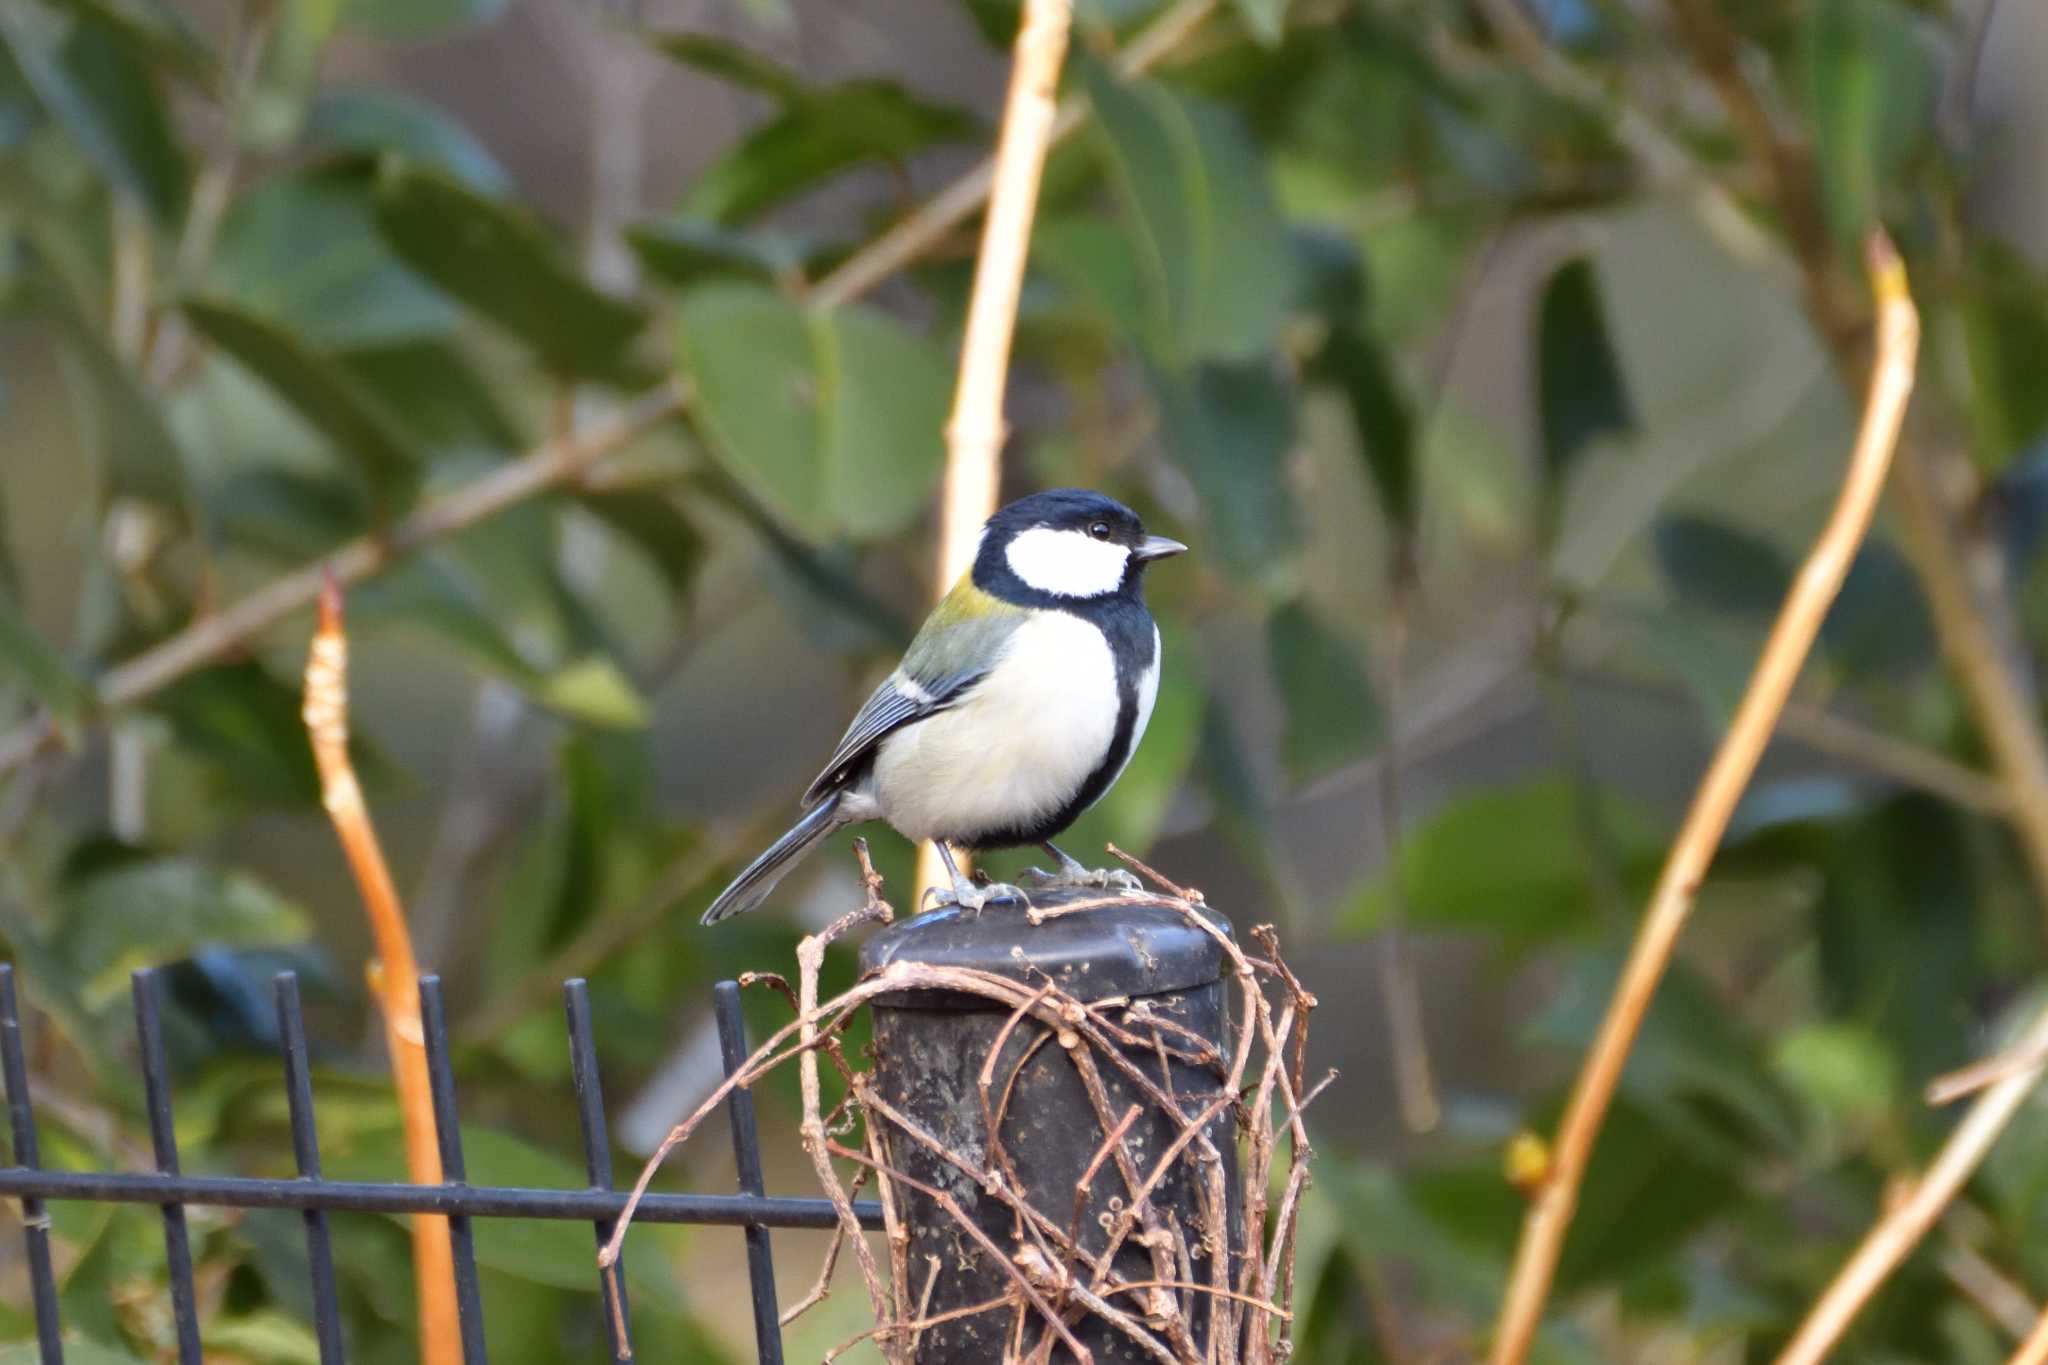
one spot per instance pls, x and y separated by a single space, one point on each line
482 1201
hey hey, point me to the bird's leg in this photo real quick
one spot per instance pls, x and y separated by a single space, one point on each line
1071 873
966 893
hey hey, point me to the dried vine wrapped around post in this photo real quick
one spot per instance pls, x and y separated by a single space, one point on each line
1232 1311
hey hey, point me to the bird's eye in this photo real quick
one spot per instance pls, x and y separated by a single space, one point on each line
1100 530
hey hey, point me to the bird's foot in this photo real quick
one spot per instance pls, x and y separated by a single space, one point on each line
971 896
1072 873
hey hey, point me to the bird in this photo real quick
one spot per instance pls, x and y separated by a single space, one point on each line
1017 705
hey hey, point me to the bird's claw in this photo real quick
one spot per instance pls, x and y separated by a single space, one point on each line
972 896
1100 878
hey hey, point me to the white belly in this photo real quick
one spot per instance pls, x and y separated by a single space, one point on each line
1017 748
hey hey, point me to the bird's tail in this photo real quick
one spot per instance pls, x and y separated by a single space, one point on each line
752 886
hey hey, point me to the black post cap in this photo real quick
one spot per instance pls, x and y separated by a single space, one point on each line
1136 948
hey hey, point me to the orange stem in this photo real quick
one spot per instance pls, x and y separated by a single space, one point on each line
393 975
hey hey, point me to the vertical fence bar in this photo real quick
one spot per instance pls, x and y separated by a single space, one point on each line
447 1127
35 1221
163 1137
597 1157
746 1151
298 1082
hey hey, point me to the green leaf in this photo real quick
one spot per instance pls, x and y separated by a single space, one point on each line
1356 364
1212 249
1880 625
817 137
1872 84
685 250
2004 315
1230 429
1510 860
594 691
653 524
1095 260
319 390
492 257
270 1336
161 909
1332 715
1579 390
1840 1068
158 36
429 388
28 659
415 19
1267 19
243 723
1646 1192
832 419
303 249
1896 922
92 84
374 122
730 61
143 460
285 514
273 111
1719 567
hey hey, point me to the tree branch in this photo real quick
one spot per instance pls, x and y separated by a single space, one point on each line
212 637
1784 653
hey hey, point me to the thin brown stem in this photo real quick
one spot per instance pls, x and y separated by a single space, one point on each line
1749 732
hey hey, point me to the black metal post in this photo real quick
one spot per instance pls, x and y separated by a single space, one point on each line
746 1151
298 1082
931 1049
163 1134
35 1219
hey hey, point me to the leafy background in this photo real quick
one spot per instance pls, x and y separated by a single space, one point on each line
1474 347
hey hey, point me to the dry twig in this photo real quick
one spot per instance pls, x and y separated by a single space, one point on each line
393 974
1792 636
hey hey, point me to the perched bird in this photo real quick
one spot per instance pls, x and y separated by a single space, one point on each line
1015 708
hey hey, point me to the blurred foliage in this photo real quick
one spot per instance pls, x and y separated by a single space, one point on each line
1412 343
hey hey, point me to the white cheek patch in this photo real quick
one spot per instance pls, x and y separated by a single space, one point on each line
1067 563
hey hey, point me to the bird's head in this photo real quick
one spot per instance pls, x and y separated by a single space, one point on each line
1065 545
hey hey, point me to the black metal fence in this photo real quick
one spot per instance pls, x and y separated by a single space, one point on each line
172 1190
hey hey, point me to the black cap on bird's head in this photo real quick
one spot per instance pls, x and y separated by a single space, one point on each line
1066 544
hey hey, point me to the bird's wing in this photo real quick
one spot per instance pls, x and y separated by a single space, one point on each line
954 650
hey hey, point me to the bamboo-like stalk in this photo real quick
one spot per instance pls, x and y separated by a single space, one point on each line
975 430
1770 685
394 976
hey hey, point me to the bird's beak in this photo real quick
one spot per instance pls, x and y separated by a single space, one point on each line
1159 547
